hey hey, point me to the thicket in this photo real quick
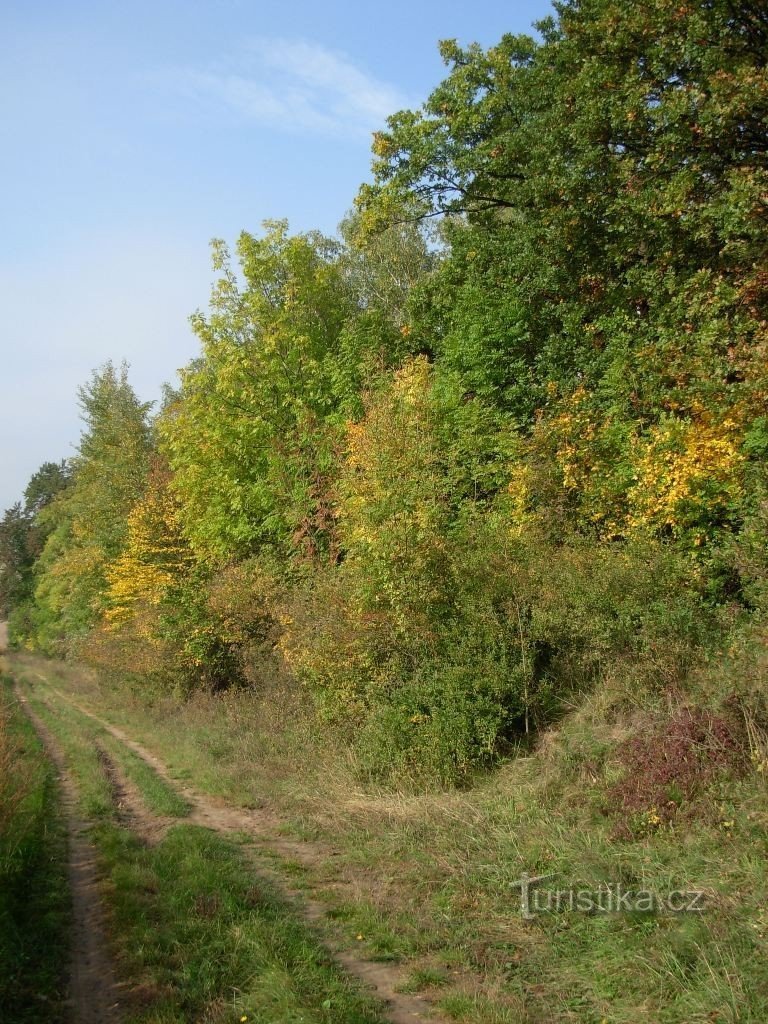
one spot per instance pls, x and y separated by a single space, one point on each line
507 429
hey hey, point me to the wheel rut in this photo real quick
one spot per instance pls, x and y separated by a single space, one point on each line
95 996
383 978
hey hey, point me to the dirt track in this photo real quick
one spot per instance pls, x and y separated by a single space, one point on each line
94 994
383 978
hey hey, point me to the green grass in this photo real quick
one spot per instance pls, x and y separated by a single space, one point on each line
34 903
210 940
381 936
427 880
197 932
159 797
71 727
93 788
424 978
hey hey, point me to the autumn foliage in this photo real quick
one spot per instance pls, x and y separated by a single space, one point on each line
446 477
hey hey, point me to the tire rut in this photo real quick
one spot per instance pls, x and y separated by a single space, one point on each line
382 978
95 996
129 805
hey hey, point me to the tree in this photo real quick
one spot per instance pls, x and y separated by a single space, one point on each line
251 436
16 558
88 520
45 484
604 193
23 532
155 557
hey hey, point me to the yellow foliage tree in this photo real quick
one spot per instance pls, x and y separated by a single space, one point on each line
682 476
156 554
687 474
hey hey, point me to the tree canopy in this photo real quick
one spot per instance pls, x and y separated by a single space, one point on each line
508 425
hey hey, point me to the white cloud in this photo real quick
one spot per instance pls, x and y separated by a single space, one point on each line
294 86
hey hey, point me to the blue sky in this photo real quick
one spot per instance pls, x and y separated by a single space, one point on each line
134 132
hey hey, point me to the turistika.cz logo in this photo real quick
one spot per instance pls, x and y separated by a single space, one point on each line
607 898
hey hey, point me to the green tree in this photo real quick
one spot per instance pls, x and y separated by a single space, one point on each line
16 559
45 484
250 438
23 533
604 198
87 522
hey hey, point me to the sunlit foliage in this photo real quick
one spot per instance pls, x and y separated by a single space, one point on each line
508 426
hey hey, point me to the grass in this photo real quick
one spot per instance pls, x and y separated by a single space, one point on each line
34 903
196 932
82 754
159 797
72 727
206 937
428 880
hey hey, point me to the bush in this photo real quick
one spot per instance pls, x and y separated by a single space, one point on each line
437 731
669 764
516 630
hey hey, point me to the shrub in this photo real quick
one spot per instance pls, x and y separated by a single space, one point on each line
517 629
437 730
670 763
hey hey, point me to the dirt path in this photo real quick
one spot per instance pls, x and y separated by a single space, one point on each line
131 811
383 978
94 994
